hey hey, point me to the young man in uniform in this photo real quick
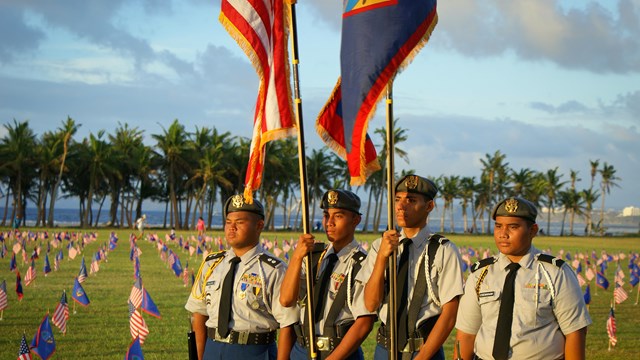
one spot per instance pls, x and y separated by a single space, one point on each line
429 277
521 304
234 301
342 322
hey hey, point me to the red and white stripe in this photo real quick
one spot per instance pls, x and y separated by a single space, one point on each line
137 326
611 330
3 300
620 295
60 317
259 28
30 275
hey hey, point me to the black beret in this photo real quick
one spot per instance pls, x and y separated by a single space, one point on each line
340 199
516 207
237 203
417 185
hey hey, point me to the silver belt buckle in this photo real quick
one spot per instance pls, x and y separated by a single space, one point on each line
219 338
323 343
413 344
243 337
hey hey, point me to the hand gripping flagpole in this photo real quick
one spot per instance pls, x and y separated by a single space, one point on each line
393 266
304 198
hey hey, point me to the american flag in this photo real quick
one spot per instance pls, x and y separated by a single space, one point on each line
24 353
137 326
620 295
82 275
135 297
31 274
3 295
95 266
590 274
61 314
611 328
259 27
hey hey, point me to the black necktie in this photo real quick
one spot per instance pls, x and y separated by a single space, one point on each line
323 288
505 317
226 298
402 287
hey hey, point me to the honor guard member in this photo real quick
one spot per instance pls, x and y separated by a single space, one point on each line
234 299
342 322
429 278
521 304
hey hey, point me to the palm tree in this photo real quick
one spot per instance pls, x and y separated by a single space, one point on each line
17 153
65 133
521 181
467 188
493 166
573 203
594 171
126 148
449 188
609 178
399 136
553 185
320 173
590 197
46 157
102 166
174 147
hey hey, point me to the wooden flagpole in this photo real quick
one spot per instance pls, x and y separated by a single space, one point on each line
393 266
304 196
637 295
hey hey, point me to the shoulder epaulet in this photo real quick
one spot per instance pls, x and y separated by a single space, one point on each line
270 260
482 263
215 255
439 238
359 257
551 259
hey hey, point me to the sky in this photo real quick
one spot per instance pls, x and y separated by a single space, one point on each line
549 83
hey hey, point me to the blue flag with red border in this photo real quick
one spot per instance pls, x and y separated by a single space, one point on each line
43 343
148 305
79 295
135 350
602 281
379 38
587 295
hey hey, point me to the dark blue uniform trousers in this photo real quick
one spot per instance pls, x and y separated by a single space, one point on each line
215 350
300 353
383 354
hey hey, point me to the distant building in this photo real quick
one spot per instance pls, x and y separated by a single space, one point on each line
631 211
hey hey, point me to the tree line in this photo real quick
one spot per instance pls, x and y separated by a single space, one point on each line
191 171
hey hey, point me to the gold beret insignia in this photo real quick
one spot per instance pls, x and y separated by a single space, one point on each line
511 206
332 197
411 182
237 201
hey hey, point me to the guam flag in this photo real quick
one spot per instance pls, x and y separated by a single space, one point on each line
43 343
379 38
135 350
79 295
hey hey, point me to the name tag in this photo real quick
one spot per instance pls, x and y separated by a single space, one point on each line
487 294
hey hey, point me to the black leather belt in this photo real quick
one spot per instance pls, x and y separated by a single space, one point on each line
323 343
415 342
243 337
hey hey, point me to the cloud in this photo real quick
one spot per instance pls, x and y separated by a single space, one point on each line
571 106
16 36
591 38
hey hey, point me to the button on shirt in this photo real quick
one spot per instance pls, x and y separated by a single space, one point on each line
446 274
255 307
339 278
539 322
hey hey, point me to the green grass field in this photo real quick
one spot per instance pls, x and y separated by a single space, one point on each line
101 330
